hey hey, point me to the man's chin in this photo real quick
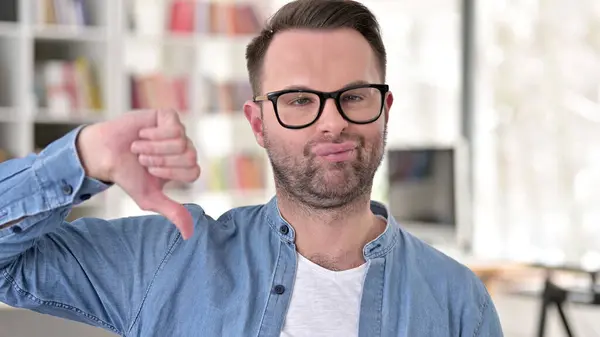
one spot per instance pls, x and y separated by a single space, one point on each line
331 199
335 188
335 180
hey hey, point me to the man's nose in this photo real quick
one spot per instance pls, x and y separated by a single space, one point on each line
331 120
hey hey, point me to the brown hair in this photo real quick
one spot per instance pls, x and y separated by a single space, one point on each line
315 14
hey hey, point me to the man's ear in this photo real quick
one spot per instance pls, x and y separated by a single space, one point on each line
254 117
389 100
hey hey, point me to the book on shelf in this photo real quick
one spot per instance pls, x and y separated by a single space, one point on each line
159 91
227 18
181 19
227 96
62 12
241 172
210 17
67 88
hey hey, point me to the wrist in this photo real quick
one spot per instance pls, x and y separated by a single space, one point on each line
94 161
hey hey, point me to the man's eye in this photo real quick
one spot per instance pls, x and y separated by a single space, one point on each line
301 101
352 98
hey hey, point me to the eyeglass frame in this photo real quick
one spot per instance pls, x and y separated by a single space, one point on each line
323 97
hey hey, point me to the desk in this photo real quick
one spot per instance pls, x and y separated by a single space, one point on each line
490 271
495 272
554 294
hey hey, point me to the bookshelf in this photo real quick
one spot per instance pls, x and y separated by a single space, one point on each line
67 63
194 53
93 60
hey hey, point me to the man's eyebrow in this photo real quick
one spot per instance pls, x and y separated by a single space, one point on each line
303 87
355 83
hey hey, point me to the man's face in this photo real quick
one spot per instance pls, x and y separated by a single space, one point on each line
306 162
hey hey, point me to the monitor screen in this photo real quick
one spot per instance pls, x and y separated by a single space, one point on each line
422 186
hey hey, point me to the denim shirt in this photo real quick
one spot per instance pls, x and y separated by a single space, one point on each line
135 276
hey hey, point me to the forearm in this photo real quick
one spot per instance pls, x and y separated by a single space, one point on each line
90 270
34 188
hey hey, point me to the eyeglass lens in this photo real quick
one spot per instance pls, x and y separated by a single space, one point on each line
301 108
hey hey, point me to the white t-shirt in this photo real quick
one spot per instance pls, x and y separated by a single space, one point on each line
324 302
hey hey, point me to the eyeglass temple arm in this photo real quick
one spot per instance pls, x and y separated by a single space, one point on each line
260 98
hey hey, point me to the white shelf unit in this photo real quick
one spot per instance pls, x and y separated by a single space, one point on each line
200 58
426 108
115 53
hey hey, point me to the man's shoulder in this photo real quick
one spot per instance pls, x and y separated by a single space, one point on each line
247 212
241 217
445 287
442 274
427 256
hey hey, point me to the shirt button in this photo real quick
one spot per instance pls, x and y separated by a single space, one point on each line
67 189
85 196
284 229
16 229
279 289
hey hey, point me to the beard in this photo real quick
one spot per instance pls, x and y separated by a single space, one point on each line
326 185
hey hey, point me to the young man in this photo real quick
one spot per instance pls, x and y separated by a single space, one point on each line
319 259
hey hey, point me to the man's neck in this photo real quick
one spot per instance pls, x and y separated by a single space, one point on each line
332 238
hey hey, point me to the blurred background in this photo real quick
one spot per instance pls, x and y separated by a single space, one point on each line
494 137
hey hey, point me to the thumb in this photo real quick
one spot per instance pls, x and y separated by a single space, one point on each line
167 117
176 213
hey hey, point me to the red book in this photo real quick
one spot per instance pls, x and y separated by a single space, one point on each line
182 16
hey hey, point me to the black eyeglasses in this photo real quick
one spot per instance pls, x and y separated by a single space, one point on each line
300 108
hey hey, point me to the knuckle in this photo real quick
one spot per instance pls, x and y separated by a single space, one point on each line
167 112
150 160
181 144
196 173
139 147
191 175
192 156
177 131
157 161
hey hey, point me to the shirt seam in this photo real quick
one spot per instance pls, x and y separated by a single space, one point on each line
158 270
482 308
40 185
262 319
45 202
381 291
26 223
9 215
274 227
58 304
12 217
389 247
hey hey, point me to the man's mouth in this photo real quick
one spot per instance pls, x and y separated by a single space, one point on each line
335 152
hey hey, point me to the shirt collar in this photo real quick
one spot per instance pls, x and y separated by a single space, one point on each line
378 247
